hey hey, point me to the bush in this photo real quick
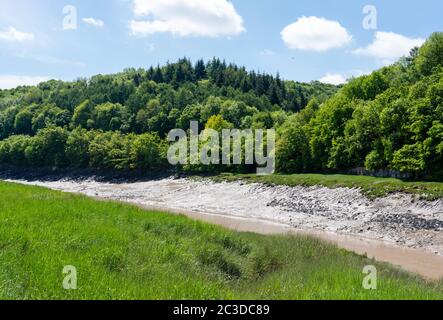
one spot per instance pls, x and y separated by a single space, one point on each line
47 148
77 147
374 161
292 149
23 122
110 150
148 151
409 159
82 113
111 117
12 150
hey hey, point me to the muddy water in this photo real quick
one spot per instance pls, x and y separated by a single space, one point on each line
398 229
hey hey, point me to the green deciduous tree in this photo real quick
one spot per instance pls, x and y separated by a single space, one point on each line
148 151
292 150
430 55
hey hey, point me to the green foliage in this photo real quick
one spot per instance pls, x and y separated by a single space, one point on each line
210 108
326 129
234 112
190 113
148 151
307 114
373 161
366 87
217 123
292 149
77 147
23 122
82 114
434 144
391 119
409 159
110 150
12 150
50 115
262 120
7 121
47 148
111 117
430 55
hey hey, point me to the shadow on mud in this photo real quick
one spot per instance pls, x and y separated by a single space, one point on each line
99 175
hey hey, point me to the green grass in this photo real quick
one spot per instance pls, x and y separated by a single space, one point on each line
124 252
371 186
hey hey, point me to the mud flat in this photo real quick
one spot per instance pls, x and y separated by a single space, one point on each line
400 229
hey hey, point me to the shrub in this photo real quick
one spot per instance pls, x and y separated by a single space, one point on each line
373 161
409 159
148 151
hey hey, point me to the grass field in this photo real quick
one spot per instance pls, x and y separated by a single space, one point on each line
372 186
124 252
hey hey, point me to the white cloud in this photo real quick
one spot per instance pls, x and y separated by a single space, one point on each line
359 73
208 18
339 78
315 34
333 78
267 52
13 35
389 46
94 22
13 81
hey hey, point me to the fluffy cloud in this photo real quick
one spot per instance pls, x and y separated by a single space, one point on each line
94 22
13 81
389 46
333 78
13 35
267 52
315 34
339 78
208 18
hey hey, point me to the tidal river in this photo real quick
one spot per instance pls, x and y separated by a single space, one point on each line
400 228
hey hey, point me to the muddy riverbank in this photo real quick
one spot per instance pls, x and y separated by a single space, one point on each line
400 228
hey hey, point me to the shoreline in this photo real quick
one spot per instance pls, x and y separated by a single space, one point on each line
425 264
254 208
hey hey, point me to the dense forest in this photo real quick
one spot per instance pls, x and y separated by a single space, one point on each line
390 119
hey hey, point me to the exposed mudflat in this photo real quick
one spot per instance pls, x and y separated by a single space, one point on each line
400 220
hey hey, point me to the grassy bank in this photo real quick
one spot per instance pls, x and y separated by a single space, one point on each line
371 186
123 252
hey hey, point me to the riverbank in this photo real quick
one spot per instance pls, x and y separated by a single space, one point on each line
372 187
399 220
124 252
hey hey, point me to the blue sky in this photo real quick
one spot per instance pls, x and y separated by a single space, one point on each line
304 40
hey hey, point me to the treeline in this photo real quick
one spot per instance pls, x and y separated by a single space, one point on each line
81 148
120 121
154 100
391 119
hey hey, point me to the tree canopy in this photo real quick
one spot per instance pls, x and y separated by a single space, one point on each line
391 119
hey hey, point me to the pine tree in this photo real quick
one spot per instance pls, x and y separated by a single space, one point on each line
200 70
